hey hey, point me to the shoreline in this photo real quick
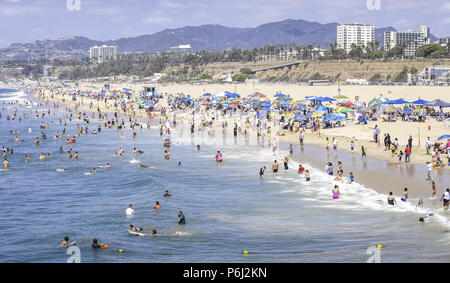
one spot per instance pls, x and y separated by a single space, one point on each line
403 175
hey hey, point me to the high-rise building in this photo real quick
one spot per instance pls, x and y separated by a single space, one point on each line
410 40
358 34
103 53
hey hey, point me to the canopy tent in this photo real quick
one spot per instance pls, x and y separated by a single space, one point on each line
443 137
438 102
396 101
420 102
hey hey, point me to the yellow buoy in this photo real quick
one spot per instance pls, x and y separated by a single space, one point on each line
245 252
120 250
379 246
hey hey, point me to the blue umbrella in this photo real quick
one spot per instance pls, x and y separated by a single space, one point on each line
279 95
321 108
328 99
407 111
444 137
127 89
420 101
300 117
397 101
300 106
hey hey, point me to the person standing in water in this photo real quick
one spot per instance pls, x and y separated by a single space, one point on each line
336 192
446 198
286 166
261 171
275 167
404 196
180 218
391 199
219 156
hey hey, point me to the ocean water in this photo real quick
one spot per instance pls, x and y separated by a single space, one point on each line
228 207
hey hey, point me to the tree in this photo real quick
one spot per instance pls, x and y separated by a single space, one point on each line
430 50
241 77
205 77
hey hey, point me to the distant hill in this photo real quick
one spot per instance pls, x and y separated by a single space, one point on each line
204 37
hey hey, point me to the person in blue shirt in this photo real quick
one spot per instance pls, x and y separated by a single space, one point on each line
352 178
181 219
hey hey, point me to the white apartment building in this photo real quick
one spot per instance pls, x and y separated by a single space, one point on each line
103 53
416 39
358 34
181 48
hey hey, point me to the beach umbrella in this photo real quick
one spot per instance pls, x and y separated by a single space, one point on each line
443 137
341 97
358 104
207 94
321 108
300 106
258 95
420 101
348 104
279 95
127 89
418 110
390 110
345 110
300 117
317 114
328 99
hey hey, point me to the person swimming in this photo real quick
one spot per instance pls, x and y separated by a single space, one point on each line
140 165
135 229
97 245
166 194
157 206
61 170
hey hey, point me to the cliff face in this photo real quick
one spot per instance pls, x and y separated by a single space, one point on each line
343 70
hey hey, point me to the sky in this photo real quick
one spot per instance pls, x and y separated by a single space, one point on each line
24 21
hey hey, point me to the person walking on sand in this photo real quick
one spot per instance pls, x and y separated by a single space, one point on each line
363 153
376 132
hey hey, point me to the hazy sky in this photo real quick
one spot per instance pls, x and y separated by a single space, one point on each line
30 20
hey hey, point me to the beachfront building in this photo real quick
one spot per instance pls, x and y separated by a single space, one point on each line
181 49
435 75
293 54
358 34
103 53
410 40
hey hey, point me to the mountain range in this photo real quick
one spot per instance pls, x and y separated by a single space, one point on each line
203 37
